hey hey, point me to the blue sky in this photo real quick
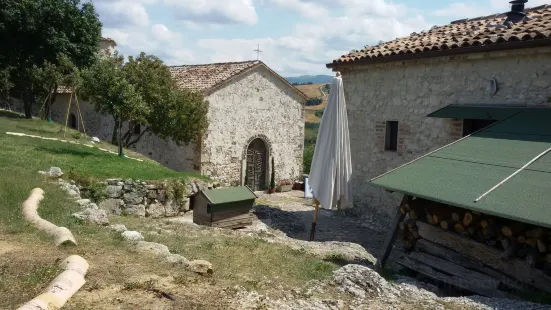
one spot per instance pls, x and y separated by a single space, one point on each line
298 37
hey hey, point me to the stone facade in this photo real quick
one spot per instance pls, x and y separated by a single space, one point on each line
254 104
408 91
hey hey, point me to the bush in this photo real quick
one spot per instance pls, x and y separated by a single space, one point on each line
314 101
319 113
307 157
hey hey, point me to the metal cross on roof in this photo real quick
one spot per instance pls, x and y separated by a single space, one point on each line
258 51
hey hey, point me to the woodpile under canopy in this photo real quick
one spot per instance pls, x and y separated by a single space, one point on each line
474 251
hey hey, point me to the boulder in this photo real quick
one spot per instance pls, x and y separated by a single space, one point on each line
176 259
184 205
128 182
95 139
362 282
113 191
113 181
93 216
200 267
54 172
132 198
155 210
132 236
112 206
135 210
83 202
172 208
152 248
151 186
92 205
118 228
152 194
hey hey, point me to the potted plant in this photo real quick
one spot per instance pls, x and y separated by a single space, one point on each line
272 188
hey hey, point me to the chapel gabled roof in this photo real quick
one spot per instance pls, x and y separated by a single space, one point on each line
460 37
207 77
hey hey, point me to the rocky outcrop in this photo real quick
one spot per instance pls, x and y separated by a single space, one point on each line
94 216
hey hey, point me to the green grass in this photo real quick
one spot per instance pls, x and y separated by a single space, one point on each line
26 270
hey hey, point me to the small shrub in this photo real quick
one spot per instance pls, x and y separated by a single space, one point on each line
308 155
77 135
319 113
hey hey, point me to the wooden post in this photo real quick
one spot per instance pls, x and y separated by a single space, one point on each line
387 246
314 220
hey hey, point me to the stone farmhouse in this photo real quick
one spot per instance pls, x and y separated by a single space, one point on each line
254 115
415 94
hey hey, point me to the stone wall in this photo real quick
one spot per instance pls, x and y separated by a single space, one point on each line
257 105
145 199
408 91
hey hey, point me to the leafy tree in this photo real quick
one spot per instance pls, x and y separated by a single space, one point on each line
111 93
172 113
35 36
308 155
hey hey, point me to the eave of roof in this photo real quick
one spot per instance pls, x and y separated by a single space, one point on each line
483 34
460 172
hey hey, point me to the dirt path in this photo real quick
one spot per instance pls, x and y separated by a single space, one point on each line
292 214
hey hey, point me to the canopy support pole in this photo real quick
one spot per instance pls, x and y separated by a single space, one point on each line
387 246
314 220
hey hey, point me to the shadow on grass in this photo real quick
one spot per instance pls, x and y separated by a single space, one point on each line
67 151
11 114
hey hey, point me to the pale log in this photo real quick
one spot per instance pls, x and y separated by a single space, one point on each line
467 219
514 267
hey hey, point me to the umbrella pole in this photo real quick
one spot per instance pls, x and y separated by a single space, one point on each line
314 220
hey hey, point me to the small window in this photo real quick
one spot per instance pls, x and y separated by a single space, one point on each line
72 121
137 129
391 139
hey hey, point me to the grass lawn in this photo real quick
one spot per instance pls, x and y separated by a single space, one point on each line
28 259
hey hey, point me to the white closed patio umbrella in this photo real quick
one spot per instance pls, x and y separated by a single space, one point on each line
331 169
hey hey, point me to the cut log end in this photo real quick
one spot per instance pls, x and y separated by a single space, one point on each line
444 225
507 232
467 219
455 217
459 228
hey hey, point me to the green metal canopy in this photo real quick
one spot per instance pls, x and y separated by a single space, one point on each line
461 172
471 111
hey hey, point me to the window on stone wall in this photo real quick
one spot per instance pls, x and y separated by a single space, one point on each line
391 138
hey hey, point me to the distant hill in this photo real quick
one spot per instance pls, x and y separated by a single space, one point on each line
314 79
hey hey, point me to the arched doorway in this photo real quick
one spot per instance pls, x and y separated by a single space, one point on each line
257 165
73 121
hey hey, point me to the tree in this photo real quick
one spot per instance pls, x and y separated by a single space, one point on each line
147 96
179 115
37 33
111 93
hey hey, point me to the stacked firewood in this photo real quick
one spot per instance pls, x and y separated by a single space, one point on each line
515 239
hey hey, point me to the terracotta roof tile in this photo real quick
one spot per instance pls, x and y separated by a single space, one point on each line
205 77
461 34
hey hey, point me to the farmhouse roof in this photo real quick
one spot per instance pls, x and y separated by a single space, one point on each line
463 171
208 77
463 36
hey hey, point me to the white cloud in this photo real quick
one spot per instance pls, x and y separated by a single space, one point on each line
309 9
122 13
159 41
217 12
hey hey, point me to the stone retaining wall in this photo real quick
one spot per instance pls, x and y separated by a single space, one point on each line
145 199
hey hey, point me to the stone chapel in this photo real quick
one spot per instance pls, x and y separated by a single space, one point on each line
254 115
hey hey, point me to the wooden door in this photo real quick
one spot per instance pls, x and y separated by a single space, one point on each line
256 165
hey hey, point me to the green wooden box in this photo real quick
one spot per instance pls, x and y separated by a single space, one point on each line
223 207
